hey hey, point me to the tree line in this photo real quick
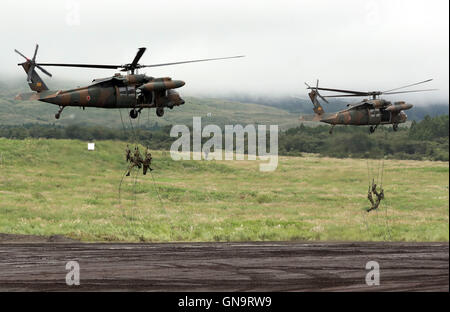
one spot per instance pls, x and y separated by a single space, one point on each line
425 139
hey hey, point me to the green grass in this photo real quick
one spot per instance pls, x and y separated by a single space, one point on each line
50 187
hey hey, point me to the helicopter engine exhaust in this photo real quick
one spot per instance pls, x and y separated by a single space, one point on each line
161 85
399 106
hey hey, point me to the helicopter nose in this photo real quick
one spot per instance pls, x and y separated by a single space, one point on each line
178 83
406 106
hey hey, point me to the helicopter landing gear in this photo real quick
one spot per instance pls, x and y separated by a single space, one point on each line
58 114
134 113
395 127
372 129
160 111
331 129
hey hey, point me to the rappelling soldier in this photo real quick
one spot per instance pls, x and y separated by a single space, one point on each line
135 160
380 197
137 157
147 162
128 154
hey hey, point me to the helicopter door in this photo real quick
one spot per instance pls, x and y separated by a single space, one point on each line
385 116
144 97
126 97
374 116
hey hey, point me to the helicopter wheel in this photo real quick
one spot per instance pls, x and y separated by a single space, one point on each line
58 114
331 130
372 128
160 111
395 127
134 113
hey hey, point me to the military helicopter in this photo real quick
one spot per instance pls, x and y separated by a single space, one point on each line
133 90
373 112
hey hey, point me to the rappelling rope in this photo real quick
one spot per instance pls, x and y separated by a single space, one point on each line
126 170
369 189
379 181
388 228
157 191
134 142
375 175
134 191
123 124
155 185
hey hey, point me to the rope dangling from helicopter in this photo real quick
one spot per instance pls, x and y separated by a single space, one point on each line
135 160
375 195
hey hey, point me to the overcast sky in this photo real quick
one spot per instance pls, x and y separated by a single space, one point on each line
353 44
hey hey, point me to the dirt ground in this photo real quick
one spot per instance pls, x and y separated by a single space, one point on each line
39 264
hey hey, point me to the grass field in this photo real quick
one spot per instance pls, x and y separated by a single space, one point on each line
52 187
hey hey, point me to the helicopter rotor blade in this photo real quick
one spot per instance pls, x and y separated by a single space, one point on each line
44 71
412 91
344 95
81 65
411 85
320 95
193 61
35 53
21 55
343 91
323 98
138 56
131 66
316 89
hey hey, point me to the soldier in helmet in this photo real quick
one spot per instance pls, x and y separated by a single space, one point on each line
380 197
147 162
128 154
137 157
135 160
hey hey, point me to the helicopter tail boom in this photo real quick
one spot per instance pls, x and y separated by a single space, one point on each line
36 83
318 109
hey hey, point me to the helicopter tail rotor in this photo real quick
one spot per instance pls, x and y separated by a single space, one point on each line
32 64
316 90
34 81
313 95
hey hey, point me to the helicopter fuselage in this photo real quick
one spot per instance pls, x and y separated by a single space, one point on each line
376 112
131 91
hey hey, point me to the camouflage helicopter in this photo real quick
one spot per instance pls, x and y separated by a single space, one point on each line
373 112
133 90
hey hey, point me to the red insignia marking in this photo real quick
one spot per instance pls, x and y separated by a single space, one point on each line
88 98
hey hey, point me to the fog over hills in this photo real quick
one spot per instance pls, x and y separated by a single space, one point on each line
350 44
